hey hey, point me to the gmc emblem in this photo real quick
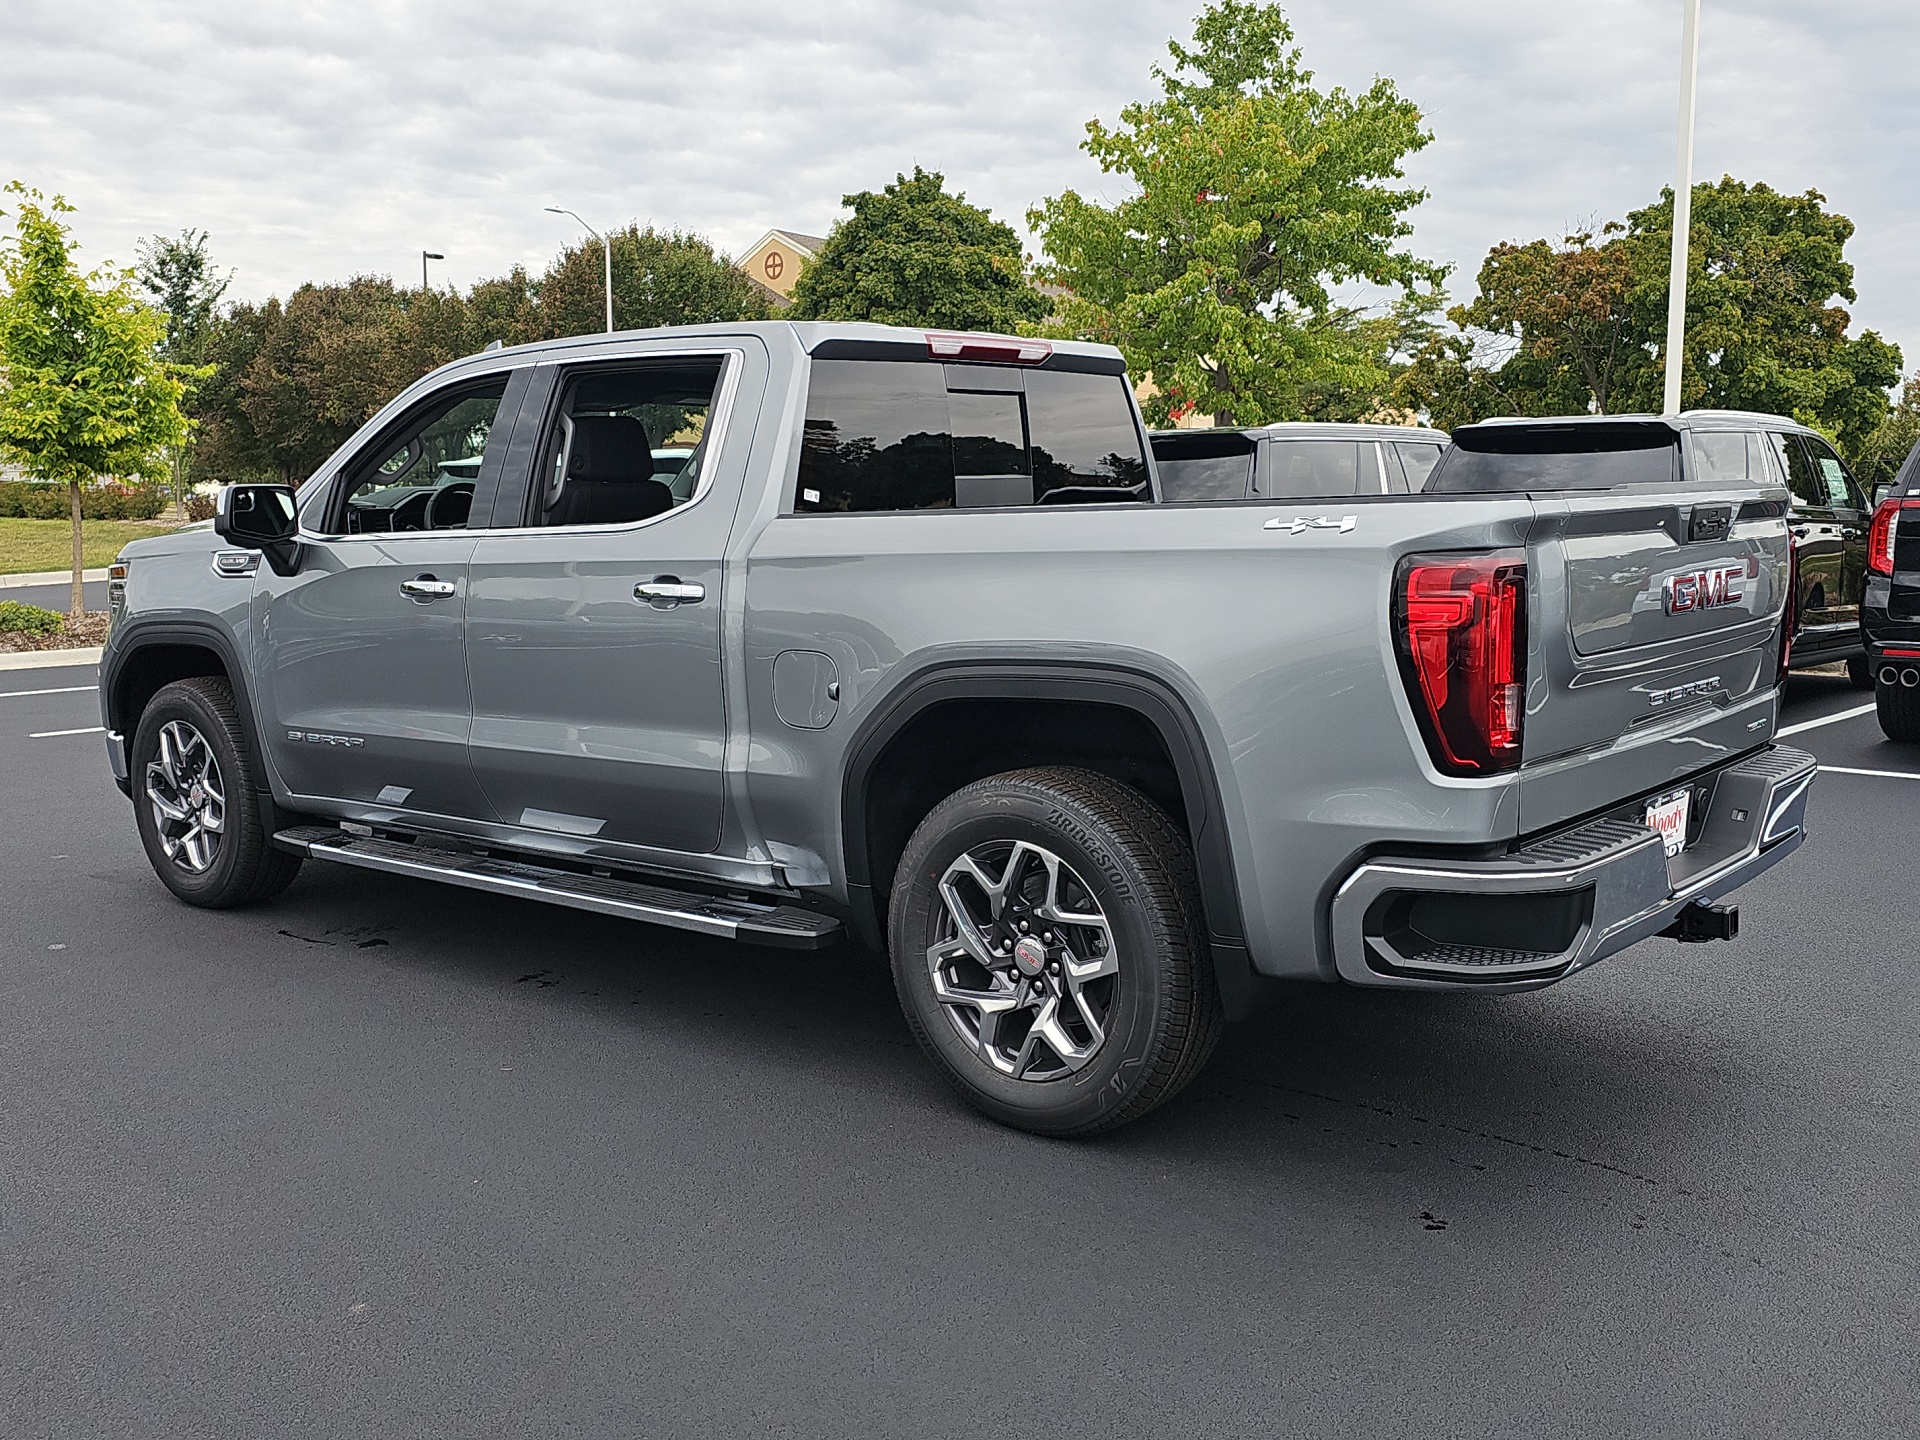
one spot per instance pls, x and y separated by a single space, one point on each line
1706 589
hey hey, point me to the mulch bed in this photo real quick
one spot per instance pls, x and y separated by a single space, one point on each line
88 630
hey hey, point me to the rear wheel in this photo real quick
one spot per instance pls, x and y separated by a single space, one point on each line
1898 704
196 799
1049 951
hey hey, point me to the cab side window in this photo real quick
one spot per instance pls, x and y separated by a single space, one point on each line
422 476
1724 457
627 444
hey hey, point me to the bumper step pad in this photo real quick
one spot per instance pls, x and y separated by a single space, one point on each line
1612 869
755 922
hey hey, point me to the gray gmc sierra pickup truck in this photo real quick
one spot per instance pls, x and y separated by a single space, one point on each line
782 631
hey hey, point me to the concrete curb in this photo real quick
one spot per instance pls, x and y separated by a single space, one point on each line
48 577
50 659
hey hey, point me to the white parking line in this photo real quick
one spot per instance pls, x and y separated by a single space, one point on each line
83 730
1877 774
1823 720
58 690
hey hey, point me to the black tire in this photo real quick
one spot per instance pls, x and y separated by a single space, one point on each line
1162 1013
1860 672
1899 710
242 868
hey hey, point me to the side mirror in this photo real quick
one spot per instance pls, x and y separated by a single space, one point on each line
1880 492
260 517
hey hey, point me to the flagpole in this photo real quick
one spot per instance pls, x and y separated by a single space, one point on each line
1682 208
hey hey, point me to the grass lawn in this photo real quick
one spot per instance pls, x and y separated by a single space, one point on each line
29 545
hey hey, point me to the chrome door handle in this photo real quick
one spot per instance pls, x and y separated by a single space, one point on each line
426 587
663 592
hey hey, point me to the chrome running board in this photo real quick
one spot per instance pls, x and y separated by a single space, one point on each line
755 922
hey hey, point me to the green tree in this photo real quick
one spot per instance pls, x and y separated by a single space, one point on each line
1257 193
179 275
915 255
1581 326
659 278
333 356
1763 332
1893 439
86 393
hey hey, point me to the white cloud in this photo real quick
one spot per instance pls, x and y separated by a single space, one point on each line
317 141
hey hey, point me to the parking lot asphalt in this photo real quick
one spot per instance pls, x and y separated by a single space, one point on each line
385 1157
57 597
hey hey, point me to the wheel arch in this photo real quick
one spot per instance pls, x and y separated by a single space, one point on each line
1121 722
155 655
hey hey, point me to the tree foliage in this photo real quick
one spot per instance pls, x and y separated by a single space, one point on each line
1582 326
915 255
86 392
1257 195
659 278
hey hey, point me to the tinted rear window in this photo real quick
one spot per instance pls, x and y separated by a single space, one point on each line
920 435
1204 465
1575 457
1304 469
1418 461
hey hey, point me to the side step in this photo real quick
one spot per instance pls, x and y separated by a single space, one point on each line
755 922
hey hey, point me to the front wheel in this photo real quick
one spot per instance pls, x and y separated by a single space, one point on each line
196 802
1049 951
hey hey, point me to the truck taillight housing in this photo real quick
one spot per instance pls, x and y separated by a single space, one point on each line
1461 624
1883 534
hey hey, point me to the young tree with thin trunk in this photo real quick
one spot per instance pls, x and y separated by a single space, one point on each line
83 390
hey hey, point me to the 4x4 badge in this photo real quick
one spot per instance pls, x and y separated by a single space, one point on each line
1318 522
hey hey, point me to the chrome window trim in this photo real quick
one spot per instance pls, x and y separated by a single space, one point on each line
718 419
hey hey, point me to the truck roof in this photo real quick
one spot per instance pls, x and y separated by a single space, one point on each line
850 339
1684 421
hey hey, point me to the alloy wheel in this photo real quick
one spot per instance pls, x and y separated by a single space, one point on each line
188 797
1023 960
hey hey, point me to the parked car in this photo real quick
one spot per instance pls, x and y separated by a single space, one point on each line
1890 618
1300 461
924 657
1827 515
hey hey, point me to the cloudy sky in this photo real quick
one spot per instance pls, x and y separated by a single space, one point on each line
315 141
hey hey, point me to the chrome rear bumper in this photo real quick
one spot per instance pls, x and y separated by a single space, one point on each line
1570 899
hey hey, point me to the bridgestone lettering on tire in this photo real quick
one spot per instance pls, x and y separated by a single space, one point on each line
196 799
1049 950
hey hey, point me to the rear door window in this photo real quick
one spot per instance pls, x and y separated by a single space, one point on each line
1310 469
1836 483
1725 457
1417 461
1204 465
909 435
1809 487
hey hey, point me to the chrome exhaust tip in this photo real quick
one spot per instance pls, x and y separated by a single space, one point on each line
1909 678
1889 675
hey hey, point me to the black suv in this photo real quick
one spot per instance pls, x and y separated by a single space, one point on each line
1890 616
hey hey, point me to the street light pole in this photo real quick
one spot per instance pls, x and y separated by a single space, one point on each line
606 247
1682 208
426 255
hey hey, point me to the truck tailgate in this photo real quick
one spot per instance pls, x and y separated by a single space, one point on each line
1655 645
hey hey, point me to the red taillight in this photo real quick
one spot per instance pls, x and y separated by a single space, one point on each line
1462 627
1001 349
1885 531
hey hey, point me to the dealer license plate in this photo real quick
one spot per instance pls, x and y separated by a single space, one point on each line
1668 815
